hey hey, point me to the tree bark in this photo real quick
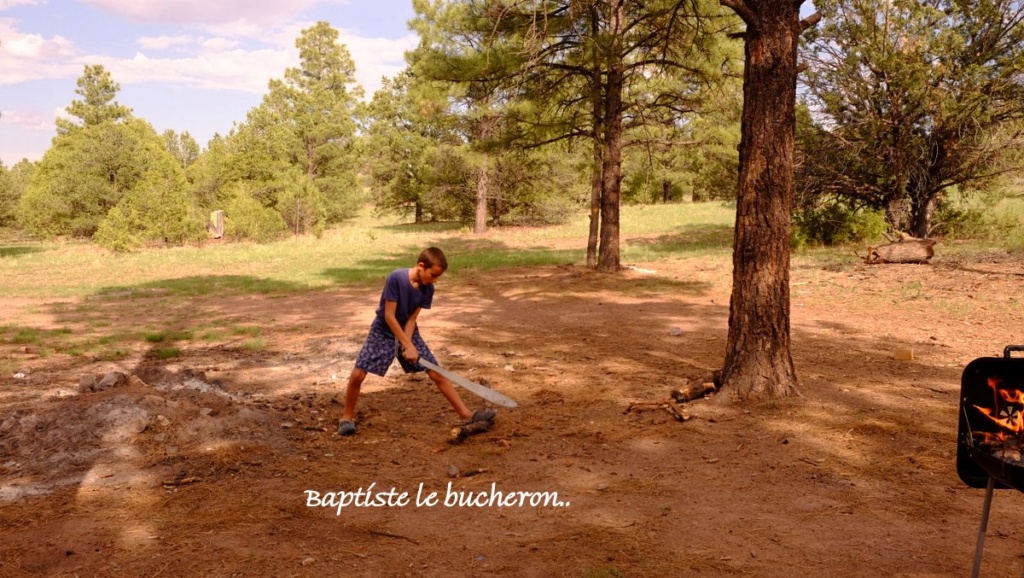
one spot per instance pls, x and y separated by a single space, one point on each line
758 361
597 180
595 206
480 223
923 213
608 253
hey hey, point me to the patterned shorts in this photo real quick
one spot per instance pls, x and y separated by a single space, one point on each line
380 349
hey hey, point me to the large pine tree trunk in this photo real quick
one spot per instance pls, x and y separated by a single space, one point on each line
597 178
608 253
480 224
595 206
758 361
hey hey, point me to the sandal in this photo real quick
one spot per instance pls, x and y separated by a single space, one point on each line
346 427
483 415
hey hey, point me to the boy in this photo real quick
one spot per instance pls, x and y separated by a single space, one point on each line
394 334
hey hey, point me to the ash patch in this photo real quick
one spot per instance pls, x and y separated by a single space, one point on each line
124 426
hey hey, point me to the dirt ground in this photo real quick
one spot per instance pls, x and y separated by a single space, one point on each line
203 465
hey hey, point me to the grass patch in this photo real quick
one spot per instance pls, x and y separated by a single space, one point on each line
362 251
238 330
257 344
166 352
366 248
167 336
210 335
32 336
112 354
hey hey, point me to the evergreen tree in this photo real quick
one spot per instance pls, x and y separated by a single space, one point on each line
8 198
182 147
911 99
82 176
758 358
18 178
156 210
97 105
572 66
408 128
207 175
305 122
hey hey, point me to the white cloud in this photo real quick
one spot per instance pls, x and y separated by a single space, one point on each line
32 56
6 4
217 44
34 46
220 64
208 13
376 57
164 42
27 119
233 69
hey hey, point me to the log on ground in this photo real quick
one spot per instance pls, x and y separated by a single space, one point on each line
907 250
462 431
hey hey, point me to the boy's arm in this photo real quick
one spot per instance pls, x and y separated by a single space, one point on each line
403 334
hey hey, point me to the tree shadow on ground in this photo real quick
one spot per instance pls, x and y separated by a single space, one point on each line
17 250
689 239
462 255
201 285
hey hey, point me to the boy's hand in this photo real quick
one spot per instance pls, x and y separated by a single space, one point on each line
410 354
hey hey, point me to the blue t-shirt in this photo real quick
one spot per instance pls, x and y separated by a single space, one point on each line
399 289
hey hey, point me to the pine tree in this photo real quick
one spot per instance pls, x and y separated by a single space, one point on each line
568 69
912 99
97 106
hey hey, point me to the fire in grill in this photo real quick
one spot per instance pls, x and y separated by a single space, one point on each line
990 437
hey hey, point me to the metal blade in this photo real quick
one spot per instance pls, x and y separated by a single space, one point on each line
487 393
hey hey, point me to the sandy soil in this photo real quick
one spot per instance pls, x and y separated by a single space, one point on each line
202 465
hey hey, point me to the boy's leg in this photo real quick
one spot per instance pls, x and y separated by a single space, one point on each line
355 381
375 357
444 385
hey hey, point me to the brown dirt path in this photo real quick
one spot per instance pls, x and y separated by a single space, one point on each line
856 478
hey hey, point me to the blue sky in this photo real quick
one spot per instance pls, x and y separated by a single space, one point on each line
187 65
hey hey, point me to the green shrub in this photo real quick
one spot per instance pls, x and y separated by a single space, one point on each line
837 224
302 207
245 218
980 217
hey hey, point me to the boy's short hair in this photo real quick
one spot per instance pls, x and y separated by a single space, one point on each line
433 256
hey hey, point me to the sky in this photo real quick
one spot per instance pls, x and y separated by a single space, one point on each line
188 65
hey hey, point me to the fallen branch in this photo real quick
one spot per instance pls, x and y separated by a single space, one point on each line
666 405
390 535
181 482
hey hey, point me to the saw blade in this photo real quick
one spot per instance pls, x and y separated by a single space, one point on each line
485 392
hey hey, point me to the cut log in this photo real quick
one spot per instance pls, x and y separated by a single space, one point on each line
462 431
695 391
906 250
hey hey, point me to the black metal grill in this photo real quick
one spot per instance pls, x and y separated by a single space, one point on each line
990 437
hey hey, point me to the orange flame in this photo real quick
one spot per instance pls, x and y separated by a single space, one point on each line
1009 416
